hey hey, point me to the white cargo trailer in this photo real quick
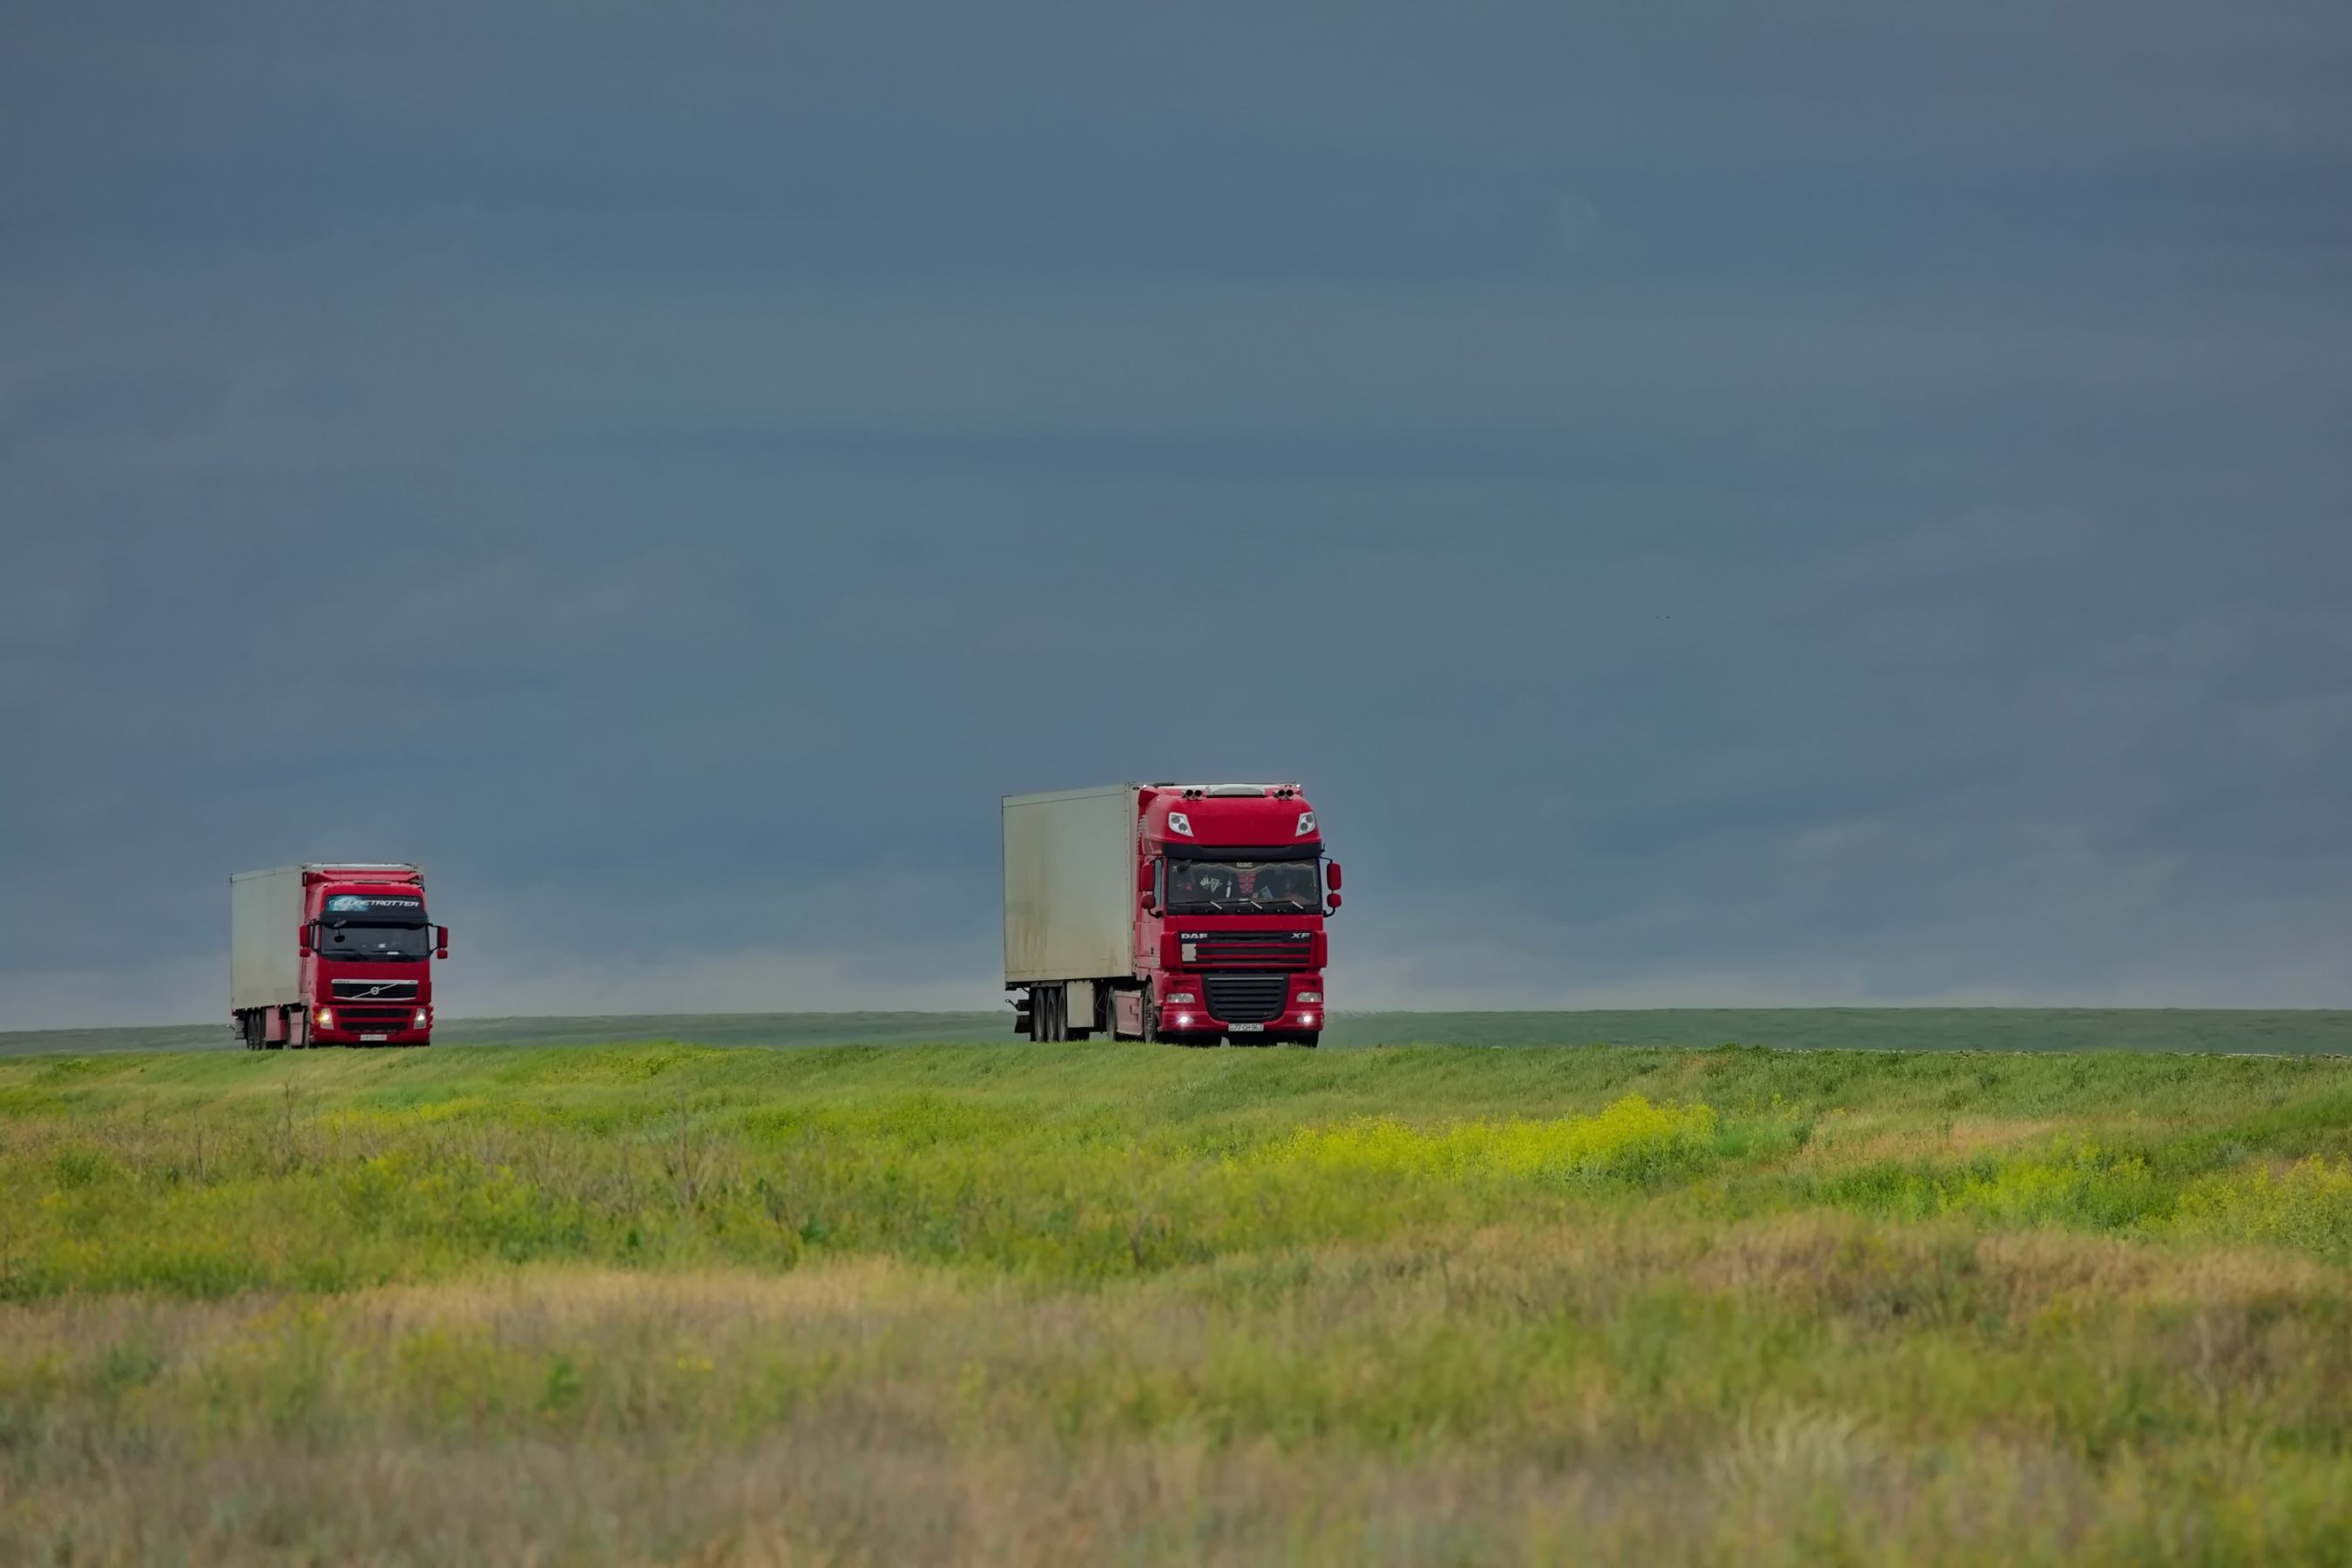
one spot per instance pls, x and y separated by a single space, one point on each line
1070 885
265 965
1069 900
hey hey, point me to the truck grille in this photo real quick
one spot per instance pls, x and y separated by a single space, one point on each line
1246 998
375 990
373 1018
1250 949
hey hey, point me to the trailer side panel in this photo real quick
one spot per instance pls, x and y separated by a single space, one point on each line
1070 885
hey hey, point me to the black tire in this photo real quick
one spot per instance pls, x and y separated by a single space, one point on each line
1048 1017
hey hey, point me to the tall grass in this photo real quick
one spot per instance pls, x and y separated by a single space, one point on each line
1089 1303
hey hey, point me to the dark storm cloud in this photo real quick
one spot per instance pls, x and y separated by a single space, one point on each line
1834 504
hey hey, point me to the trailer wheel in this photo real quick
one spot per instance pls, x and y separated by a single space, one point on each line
1045 1004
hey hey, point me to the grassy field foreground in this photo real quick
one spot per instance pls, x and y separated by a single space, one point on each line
1097 1303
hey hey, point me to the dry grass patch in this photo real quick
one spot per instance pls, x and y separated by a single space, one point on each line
1840 1142
1623 1393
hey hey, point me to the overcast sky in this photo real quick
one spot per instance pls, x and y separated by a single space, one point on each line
1822 503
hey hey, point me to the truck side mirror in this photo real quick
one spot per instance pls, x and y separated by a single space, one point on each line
440 941
1331 870
302 940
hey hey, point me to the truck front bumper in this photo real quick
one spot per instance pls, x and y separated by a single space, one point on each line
337 1025
1188 1019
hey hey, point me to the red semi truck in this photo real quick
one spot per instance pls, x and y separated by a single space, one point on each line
1191 913
331 955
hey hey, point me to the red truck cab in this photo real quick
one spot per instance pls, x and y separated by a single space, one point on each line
1229 930
1191 913
333 956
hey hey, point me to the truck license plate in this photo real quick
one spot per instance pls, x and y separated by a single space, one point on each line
1246 1028
375 1037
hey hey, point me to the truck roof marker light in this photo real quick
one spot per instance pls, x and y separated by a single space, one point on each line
1306 825
1180 823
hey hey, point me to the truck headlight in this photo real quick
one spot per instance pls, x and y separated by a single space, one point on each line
1311 995
421 1019
1181 996
326 1017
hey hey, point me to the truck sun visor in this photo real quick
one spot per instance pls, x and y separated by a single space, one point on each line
1304 849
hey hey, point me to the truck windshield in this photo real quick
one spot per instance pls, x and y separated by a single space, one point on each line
372 944
1243 887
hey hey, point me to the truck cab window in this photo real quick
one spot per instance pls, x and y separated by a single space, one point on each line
1288 887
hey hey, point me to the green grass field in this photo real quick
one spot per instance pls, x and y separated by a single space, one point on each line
2286 1033
1100 1303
